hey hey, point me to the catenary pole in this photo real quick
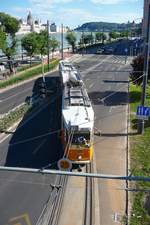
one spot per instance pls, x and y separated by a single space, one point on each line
48 44
62 42
145 71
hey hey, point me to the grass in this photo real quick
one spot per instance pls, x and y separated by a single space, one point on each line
28 74
23 68
13 117
140 160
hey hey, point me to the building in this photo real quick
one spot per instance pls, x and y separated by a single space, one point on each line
29 25
145 17
53 27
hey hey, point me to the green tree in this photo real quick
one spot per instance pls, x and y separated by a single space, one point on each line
100 36
125 34
41 40
71 38
2 39
104 37
8 27
10 24
32 44
113 35
54 44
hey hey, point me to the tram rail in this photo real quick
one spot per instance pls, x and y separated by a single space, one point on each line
89 198
51 211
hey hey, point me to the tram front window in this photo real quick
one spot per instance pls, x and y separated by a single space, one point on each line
81 138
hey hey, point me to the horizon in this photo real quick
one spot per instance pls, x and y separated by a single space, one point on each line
58 11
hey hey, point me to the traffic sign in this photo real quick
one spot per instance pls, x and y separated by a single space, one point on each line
64 164
143 112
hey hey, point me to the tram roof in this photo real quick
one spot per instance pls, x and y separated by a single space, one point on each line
80 117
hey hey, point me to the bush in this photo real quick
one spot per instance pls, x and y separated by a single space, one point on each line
13 117
138 65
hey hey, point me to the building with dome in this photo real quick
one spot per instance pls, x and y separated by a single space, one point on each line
30 25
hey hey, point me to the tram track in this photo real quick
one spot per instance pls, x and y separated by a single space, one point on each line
89 198
51 211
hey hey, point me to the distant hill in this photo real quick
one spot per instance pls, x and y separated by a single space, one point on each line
106 27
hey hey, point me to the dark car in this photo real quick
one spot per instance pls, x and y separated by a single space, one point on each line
108 50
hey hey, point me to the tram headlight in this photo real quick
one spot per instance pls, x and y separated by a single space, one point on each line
79 157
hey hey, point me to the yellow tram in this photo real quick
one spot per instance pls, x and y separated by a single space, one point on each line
77 116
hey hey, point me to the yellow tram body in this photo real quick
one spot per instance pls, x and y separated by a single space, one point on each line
77 116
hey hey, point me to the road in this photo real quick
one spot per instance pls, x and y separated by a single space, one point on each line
24 196
108 91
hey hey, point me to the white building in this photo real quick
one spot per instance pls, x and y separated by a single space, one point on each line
30 25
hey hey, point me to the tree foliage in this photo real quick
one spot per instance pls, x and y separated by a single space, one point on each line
30 43
100 36
10 24
35 43
137 65
2 39
113 35
8 27
124 33
71 38
54 44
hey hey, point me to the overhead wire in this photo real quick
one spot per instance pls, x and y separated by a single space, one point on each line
56 131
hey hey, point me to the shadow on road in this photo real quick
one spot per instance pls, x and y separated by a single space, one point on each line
33 145
109 98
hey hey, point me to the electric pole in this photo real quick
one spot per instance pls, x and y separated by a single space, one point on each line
62 42
145 71
48 43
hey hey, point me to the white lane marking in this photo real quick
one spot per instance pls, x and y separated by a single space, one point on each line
93 67
91 85
5 99
11 129
38 147
3 139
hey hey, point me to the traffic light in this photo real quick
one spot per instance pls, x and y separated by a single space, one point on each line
42 89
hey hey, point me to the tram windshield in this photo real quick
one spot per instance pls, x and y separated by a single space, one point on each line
81 138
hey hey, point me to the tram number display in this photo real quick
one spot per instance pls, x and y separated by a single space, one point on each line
64 164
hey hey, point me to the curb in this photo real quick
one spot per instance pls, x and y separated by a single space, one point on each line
5 114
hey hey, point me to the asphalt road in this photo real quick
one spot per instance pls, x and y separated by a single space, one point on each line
133 47
108 90
23 196
13 97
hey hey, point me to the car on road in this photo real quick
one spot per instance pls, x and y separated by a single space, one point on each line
100 51
108 50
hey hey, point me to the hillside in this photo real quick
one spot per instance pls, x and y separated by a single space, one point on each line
106 27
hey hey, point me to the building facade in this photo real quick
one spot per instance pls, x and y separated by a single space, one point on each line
53 27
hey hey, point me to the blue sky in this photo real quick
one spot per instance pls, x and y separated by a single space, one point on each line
75 12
